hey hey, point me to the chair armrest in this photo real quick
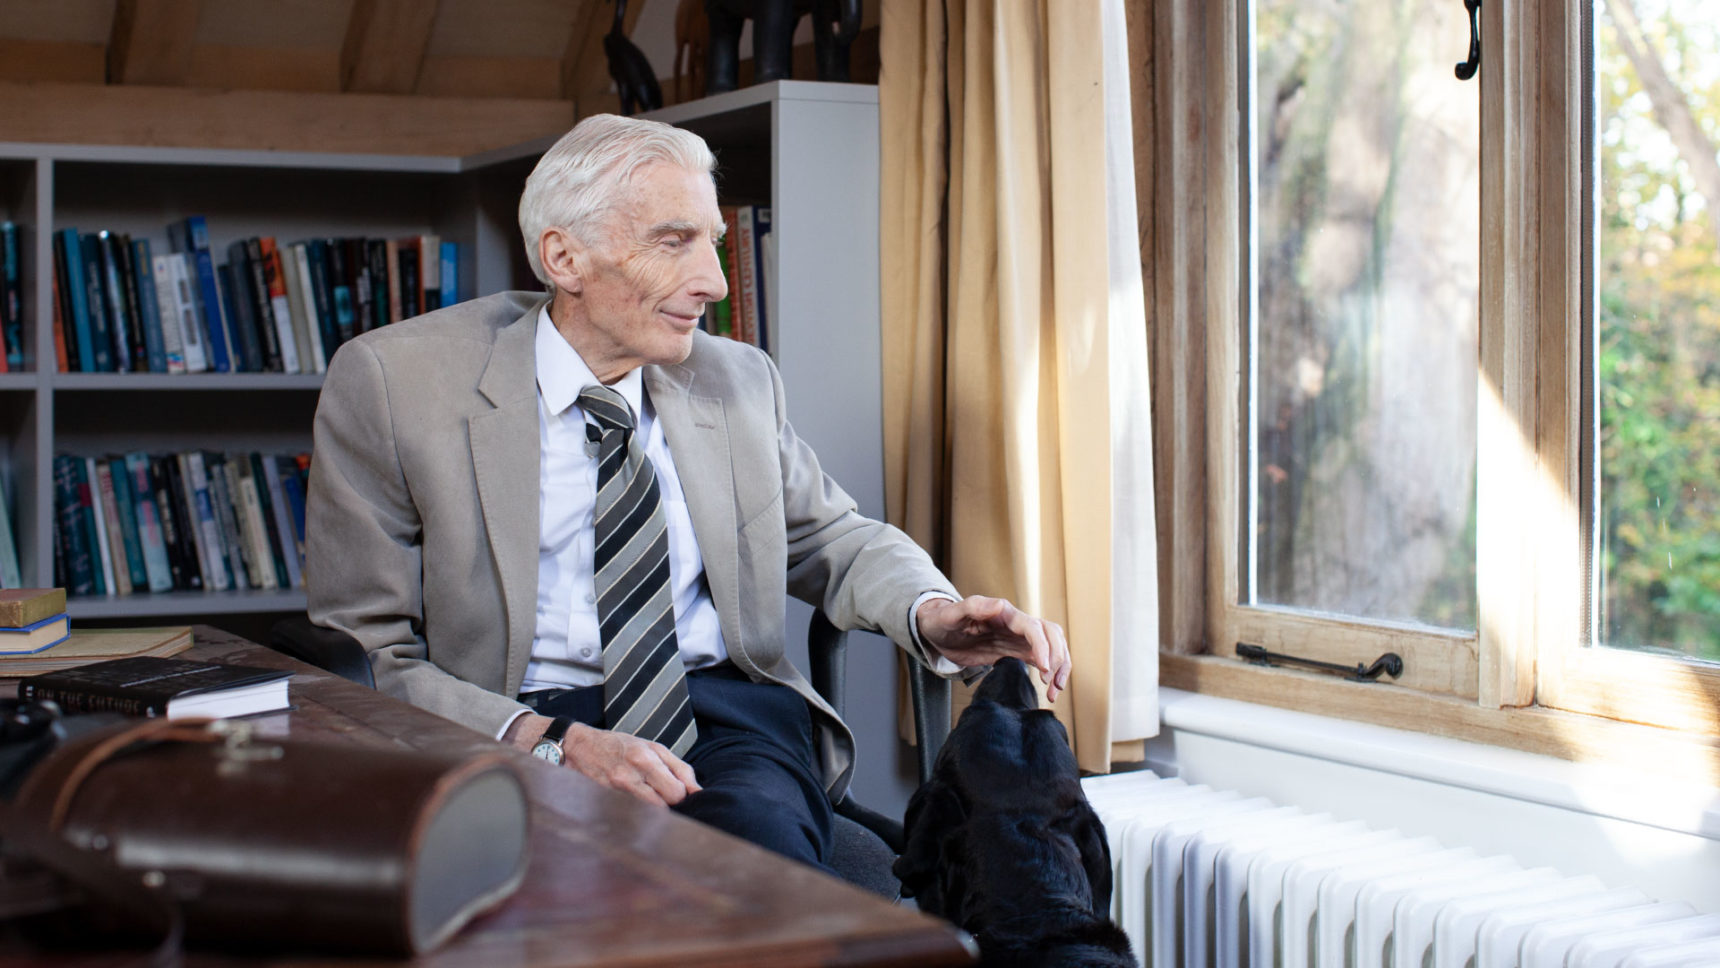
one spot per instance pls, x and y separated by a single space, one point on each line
931 695
328 649
888 830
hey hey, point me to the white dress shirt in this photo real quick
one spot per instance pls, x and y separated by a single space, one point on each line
567 650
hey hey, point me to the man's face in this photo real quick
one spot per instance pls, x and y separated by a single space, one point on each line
646 282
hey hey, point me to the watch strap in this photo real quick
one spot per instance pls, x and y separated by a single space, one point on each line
557 729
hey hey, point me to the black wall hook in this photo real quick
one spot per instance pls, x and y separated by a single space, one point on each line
1390 663
1468 68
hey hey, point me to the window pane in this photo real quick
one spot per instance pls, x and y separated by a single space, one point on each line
1657 80
1365 282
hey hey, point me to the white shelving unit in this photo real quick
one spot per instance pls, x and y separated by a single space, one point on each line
809 150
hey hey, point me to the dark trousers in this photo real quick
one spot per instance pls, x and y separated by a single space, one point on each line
753 759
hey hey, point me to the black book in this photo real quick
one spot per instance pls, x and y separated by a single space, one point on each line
269 338
376 251
322 293
95 299
410 290
153 686
118 309
12 294
186 574
340 287
235 280
136 332
358 280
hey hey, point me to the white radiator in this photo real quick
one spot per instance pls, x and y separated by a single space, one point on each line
1207 877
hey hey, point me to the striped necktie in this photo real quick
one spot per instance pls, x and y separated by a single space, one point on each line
644 683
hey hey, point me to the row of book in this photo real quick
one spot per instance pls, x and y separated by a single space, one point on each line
121 306
188 521
11 298
746 254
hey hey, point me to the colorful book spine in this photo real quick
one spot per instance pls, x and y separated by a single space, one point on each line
191 237
450 273
149 532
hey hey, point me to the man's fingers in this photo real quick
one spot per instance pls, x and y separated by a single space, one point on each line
683 773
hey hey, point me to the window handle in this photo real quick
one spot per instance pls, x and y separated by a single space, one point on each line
1467 69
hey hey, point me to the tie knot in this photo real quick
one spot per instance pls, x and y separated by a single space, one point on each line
607 407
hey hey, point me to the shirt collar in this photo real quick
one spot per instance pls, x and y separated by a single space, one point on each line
562 372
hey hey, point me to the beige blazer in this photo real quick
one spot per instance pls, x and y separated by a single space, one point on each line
422 535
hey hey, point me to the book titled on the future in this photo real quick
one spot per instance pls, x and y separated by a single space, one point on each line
151 686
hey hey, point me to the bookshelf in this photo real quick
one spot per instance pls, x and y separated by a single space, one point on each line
139 191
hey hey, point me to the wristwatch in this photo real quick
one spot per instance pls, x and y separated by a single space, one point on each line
548 748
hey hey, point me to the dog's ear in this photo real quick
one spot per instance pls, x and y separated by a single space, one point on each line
1088 833
934 813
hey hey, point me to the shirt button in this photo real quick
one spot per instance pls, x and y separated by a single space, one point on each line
585 653
590 597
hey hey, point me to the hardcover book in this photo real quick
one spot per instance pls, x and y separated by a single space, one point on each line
27 606
154 686
33 638
87 646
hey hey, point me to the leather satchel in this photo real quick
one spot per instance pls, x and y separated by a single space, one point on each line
287 843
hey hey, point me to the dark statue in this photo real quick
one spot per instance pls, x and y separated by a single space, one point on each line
834 24
634 78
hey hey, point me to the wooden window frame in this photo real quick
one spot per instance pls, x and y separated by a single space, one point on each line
1524 679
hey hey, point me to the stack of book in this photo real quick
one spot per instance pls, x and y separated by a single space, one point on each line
123 305
189 521
32 620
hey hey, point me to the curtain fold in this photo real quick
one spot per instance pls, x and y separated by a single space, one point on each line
1017 442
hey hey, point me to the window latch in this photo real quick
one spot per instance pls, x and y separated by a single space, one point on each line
1467 69
1390 663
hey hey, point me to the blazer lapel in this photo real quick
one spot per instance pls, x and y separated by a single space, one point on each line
697 432
505 461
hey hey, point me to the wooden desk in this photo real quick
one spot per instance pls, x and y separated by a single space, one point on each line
611 881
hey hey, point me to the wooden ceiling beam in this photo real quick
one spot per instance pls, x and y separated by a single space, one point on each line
151 40
386 41
188 117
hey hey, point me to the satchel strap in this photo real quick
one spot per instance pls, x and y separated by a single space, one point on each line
146 731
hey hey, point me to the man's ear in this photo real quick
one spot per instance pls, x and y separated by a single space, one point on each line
562 257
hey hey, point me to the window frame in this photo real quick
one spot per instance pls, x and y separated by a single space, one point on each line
1524 679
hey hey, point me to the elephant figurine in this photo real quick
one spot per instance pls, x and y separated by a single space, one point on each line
834 24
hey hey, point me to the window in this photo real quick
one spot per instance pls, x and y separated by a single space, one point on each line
1452 381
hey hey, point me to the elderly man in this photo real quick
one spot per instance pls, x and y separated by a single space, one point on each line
570 521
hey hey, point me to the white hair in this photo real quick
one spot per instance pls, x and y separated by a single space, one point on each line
579 180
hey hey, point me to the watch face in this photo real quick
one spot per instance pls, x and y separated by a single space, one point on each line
547 751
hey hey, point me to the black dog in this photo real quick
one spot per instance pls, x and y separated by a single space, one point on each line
1002 841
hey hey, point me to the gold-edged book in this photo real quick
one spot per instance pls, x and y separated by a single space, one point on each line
22 607
98 645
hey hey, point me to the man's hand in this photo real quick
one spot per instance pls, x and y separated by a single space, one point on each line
978 631
619 761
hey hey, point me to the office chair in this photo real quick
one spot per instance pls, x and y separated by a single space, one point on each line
865 842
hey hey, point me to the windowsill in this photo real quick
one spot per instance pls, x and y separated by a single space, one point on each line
1600 789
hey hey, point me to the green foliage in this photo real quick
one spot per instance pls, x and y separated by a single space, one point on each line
1658 374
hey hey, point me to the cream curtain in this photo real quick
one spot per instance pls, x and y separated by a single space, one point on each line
1017 441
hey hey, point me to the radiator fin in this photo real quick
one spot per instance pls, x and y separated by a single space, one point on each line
1207 878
